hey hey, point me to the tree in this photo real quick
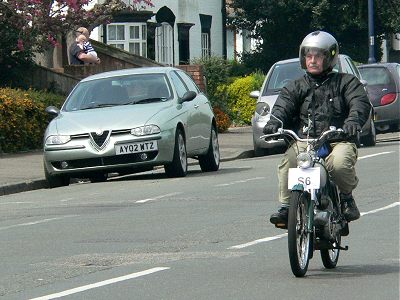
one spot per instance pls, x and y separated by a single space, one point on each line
32 26
280 25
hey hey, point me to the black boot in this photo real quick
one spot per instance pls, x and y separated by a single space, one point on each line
349 207
280 218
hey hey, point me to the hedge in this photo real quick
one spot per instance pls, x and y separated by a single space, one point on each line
23 119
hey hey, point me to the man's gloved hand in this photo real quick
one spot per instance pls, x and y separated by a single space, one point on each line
270 128
351 128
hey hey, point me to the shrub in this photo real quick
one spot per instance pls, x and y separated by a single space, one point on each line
223 120
237 96
23 119
216 72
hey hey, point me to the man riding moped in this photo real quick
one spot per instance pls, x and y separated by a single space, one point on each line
310 105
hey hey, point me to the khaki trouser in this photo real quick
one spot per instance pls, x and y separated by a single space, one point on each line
340 164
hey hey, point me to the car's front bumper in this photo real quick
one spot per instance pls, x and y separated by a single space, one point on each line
80 156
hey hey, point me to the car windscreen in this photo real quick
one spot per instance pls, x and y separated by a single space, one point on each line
120 90
281 75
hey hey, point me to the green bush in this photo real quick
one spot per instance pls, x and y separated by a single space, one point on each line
229 84
237 97
23 119
216 71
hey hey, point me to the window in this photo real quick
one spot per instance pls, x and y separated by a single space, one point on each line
205 47
116 33
179 86
188 81
131 37
205 21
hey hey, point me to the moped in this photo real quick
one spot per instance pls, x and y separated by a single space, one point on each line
315 220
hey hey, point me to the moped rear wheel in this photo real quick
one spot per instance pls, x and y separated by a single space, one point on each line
299 238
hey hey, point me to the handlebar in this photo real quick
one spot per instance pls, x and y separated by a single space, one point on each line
291 133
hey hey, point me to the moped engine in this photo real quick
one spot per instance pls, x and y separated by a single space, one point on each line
325 220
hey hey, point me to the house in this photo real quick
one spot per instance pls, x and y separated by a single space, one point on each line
172 32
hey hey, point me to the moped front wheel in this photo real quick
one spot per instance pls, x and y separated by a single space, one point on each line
330 257
299 237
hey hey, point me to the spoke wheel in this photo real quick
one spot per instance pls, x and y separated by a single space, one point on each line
210 161
179 164
299 239
330 257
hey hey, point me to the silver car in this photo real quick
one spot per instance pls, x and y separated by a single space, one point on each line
277 77
127 121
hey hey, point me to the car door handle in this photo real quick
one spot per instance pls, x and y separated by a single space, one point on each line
196 106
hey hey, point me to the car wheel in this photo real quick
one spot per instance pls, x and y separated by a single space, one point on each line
210 161
54 181
370 138
98 177
178 166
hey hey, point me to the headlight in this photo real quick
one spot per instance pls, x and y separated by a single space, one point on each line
145 130
57 139
304 160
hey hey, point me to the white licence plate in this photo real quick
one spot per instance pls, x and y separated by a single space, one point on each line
130 148
309 178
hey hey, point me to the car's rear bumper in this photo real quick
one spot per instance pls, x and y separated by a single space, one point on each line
387 114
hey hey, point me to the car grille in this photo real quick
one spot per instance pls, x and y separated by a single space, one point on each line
105 161
100 139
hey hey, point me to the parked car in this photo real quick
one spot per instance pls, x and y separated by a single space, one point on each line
277 77
384 90
127 121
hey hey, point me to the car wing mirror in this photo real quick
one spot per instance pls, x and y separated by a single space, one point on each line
188 96
255 94
52 110
267 111
364 82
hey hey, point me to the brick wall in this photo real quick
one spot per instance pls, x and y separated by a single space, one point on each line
196 71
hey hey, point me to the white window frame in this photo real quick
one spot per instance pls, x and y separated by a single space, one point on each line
164 44
127 41
205 46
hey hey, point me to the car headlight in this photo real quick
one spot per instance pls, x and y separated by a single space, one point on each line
304 160
57 139
145 130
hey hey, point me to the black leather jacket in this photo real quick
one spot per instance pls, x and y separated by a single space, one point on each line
319 102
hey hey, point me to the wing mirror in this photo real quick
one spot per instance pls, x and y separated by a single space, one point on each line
267 111
255 94
364 82
188 96
52 110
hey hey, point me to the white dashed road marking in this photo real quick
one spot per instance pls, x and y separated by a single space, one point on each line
240 181
100 284
158 197
268 239
372 155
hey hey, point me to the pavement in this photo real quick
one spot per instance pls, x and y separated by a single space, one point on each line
24 171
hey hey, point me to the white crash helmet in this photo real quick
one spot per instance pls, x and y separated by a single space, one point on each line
322 42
